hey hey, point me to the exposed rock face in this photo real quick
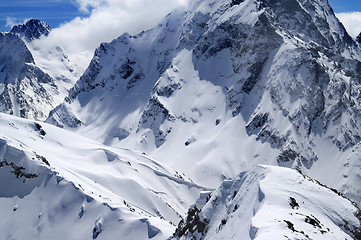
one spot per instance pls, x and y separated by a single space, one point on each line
32 29
283 75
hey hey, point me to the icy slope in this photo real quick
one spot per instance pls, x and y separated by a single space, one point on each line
226 85
58 185
271 203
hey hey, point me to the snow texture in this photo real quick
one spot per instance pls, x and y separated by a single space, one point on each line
58 185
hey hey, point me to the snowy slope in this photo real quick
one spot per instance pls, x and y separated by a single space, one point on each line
224 85
271 203
64 66
58 185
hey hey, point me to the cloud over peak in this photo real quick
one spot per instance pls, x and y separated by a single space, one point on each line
109 19
351 21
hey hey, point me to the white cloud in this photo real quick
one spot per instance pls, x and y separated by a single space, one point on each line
351 21
10 22
108 20
87 5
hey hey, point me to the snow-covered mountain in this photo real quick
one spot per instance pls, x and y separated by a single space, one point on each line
49 55
224 85
33 82
219 88
59 185
64 66
25 90
271 203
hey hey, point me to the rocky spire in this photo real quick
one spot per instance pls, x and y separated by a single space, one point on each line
32 29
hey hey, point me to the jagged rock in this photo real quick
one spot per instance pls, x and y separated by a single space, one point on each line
32 29
236 2
257 123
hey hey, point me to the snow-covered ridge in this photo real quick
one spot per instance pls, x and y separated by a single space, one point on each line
95 190
271 203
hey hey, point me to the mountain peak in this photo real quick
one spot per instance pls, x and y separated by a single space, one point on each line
32 29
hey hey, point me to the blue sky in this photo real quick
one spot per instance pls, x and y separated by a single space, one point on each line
345 5
55 12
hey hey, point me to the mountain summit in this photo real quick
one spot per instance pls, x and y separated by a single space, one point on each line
32 29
